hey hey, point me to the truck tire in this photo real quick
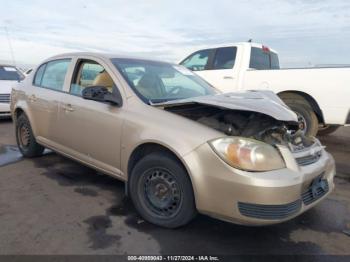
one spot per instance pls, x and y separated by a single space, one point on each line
327 130
308 121
161 191
25 138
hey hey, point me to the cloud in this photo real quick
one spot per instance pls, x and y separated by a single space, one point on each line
303 32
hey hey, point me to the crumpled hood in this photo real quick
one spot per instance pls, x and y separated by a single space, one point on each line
265 102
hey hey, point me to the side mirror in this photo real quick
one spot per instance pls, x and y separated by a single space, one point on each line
101 94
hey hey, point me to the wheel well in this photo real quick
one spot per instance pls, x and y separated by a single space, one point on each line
145 149
18 112
309 99
148 148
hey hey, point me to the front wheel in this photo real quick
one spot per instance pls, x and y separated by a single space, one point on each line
25 138
162 191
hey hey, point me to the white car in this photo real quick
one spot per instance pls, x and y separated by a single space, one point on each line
9 75
319 96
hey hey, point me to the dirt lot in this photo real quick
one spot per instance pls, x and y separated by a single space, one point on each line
51 205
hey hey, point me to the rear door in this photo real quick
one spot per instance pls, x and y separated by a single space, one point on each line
90 130
45 94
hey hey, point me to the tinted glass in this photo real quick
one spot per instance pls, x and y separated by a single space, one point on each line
55 74
259 59
158 82
10 73
263 59
197 61
39 75
225 58
275 64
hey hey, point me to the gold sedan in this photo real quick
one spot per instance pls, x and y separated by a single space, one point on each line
180 146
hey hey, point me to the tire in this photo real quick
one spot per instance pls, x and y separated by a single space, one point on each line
25 139
327 130
161 191
307 116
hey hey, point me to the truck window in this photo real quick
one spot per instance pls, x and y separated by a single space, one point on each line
197 61
263 60
225 58
275 63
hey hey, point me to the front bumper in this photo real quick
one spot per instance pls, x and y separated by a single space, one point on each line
5 110
228 194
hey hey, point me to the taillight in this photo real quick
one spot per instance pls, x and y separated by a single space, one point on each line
265 49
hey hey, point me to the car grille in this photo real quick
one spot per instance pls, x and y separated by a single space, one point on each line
4 98
269 211
310 197
309 159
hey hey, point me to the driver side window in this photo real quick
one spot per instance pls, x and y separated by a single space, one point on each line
90 73
197 61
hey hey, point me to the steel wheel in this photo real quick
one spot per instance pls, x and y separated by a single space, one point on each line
25 139
161 190
162 193
24 135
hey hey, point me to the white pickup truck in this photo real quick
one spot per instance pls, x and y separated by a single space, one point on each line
319 96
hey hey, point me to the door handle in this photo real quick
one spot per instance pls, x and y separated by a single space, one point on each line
228 77
32 98
68 108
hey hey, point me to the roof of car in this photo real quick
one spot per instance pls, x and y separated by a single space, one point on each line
102 55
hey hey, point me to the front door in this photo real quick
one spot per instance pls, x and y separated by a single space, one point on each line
216 66
90 130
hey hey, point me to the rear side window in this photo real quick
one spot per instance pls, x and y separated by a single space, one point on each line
10 73
225 58
197 61
261 59
39 75
55 74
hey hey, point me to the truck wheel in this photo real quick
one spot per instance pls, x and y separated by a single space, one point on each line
308 121
25 139
162 191
326 130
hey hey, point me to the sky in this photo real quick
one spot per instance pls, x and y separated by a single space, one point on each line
303 32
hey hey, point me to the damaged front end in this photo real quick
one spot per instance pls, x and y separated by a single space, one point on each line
258 115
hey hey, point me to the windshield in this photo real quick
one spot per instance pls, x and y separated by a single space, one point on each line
10 73
157 82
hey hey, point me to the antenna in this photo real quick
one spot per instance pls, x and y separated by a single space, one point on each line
10 45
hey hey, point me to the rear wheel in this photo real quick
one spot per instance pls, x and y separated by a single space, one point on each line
162 191
308 122
25 139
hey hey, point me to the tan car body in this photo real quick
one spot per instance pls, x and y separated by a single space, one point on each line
109 135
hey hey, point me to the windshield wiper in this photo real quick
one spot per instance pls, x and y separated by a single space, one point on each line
161 100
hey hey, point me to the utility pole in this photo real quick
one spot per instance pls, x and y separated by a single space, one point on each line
10 46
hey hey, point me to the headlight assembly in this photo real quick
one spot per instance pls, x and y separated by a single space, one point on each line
247 154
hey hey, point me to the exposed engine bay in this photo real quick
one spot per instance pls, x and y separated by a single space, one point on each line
246 124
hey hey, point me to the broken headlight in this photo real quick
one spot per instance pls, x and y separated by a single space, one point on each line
248 154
